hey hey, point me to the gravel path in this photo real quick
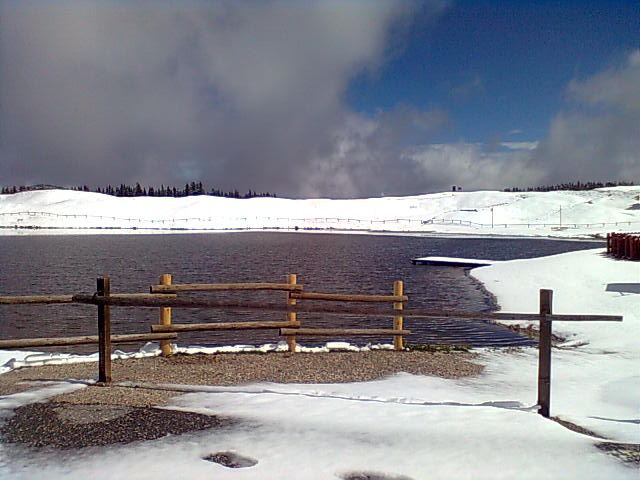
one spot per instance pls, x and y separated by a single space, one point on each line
115 414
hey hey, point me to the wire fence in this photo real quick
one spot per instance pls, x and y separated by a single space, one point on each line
26 219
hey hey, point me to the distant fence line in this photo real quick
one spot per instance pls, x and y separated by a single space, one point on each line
303 222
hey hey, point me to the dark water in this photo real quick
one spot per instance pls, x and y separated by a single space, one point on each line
32 265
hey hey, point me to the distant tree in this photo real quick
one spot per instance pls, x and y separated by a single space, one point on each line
575 186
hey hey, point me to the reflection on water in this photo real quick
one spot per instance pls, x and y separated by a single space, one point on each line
322 262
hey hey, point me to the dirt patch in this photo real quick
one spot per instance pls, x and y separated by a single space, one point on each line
67 426
372 476
231 460
628 453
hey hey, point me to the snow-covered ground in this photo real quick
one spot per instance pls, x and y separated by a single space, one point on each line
410 426
580 214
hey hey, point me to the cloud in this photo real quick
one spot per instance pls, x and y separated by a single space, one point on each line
237 94
251 95
520 145
472 166
600 138
369 155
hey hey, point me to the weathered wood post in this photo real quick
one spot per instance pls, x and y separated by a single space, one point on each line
165 317
104 333
544 354
397 319
291 316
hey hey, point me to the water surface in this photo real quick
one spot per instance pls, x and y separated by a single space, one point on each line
323 262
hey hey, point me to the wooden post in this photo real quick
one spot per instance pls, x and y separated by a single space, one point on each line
397 320
544 354
165 317
104 333
291 316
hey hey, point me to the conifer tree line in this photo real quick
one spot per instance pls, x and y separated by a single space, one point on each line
575 186
197 188
137 190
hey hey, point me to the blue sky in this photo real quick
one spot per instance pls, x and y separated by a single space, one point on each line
499 69
319 99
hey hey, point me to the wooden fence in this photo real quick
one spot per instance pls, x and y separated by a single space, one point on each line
166 295
623 246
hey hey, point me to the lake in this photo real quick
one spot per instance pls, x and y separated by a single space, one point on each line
33 265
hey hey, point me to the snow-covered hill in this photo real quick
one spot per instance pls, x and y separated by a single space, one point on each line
556 214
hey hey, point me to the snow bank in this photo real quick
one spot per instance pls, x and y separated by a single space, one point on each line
595 374
579 281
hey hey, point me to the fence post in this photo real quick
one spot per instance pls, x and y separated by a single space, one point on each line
165 317
291 316
397 320
544 354
104 333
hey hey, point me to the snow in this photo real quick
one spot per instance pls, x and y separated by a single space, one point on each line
9 403
405 425
596 377
402 426
453 261
12 359
579 281
582 214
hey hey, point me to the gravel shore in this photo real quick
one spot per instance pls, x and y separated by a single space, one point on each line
234 369
120 414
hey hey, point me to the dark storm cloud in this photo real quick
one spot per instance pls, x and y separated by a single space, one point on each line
236 94
250 95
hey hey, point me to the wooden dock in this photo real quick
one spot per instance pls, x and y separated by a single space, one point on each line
452 262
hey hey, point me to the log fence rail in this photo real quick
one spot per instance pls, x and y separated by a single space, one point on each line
164 296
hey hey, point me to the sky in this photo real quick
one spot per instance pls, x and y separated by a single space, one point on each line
319 99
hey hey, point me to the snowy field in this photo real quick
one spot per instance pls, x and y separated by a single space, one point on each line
405 426
566 214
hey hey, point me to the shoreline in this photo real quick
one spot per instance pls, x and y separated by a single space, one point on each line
596 237
224 369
